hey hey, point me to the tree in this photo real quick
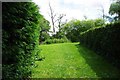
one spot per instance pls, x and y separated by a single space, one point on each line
59 34
103 12
44 29
60 20
55 18
52 16
73 28
115 10
99 22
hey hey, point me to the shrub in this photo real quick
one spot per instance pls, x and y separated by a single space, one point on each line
54 40
104 40
20 38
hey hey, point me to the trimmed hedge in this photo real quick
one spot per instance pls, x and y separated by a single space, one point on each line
51 41
104 40
20 38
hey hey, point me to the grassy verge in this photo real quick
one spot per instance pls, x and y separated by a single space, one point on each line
70 60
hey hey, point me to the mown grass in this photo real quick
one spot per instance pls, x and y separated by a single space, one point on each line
71 60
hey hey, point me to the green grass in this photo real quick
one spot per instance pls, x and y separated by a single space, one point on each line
71 60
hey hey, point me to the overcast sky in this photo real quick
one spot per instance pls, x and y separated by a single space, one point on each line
76 9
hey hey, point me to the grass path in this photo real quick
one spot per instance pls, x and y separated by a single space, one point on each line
70 60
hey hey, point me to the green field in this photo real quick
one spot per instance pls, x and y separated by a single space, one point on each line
71 60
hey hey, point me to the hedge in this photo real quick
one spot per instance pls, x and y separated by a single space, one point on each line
20 38
55 40
105 41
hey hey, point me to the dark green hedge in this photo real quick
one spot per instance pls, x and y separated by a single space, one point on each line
20 38
104 40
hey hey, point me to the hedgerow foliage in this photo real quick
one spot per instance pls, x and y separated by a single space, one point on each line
55 40
73 28
20 29
104 40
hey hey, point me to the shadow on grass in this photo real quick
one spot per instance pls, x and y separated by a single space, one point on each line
98 64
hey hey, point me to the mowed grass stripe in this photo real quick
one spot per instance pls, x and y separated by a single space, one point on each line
70 60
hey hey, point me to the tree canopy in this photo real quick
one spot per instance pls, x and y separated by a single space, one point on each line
44 29
115 10
73 28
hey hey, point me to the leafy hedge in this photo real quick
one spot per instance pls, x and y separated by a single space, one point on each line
104 40
20 38
54 40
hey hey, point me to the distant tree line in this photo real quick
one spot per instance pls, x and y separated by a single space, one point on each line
73 28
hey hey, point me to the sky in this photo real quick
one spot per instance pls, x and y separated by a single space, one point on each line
74 9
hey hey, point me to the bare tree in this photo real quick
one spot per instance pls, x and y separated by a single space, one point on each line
102 11
85 17
60 20
52 16
55 18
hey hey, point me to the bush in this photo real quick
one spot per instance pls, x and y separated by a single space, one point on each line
104 40
50 41
20 38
